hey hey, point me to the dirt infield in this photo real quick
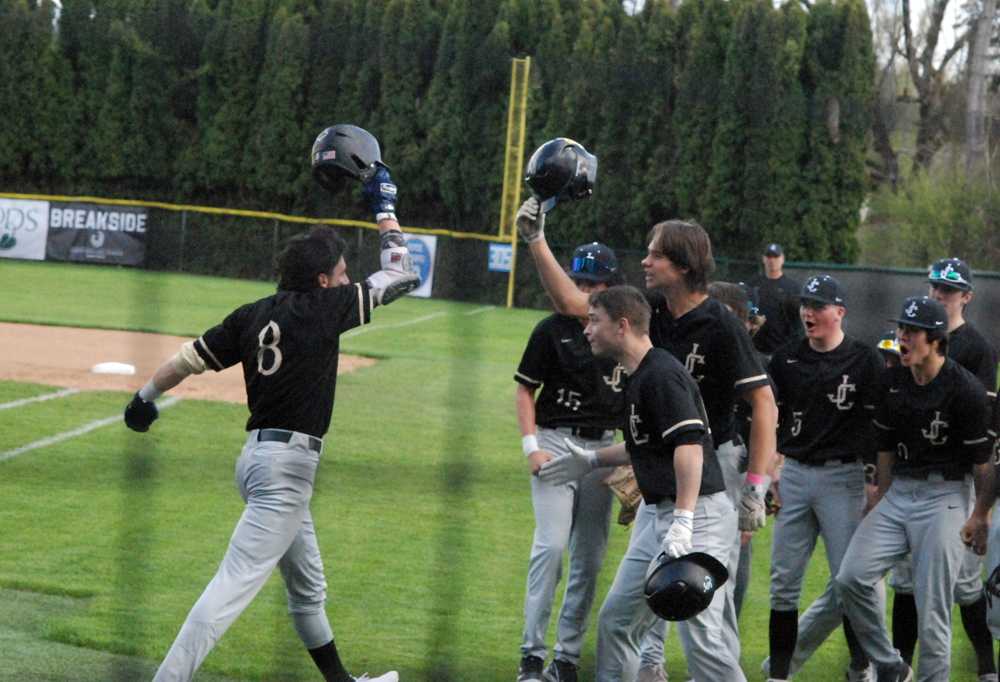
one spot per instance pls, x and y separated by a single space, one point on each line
64 356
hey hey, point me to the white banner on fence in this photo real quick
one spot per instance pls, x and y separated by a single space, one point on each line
24 228
422 248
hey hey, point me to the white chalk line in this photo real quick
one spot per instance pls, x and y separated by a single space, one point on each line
395 325
79 431
39 398
480 310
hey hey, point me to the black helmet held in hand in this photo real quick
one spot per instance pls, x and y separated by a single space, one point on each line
561 170
342 151
680 588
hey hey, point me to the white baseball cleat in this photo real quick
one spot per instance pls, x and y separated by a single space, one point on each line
866 675
391 676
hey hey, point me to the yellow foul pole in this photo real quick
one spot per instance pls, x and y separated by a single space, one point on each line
513 165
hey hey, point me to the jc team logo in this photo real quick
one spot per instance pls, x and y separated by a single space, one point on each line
840 398
634 421
614 381
933 434
692 361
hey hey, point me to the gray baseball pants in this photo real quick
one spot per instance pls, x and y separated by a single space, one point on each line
729 454
276 481
625 619
923 518
574 516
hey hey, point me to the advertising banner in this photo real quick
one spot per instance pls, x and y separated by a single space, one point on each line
23 228
422 248
501 256
95 233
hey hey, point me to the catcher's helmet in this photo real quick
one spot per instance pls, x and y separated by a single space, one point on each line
561 170
344 151
682 587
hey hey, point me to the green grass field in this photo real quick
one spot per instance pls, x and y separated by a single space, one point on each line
422 504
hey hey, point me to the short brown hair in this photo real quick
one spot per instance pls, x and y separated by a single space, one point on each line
732 295
687 245
626 302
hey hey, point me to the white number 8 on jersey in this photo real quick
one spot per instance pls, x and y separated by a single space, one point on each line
275 330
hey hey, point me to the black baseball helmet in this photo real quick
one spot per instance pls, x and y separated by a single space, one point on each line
561 170
594 262
343 151
682 587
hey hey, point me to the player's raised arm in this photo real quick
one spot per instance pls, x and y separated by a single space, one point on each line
397 276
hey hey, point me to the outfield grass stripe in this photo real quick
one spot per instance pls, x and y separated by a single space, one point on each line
39 398
66 435
395 325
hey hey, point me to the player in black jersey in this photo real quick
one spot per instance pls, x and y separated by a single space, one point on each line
713 346
931 418
826 386
288 345
950 284
668 443
581 400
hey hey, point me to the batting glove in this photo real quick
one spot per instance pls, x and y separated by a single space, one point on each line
569 467
752 507
530 220
677 541
380 193
139 414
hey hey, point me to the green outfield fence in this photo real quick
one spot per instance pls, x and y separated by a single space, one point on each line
230 242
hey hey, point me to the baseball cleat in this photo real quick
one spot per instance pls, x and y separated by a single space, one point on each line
652 673
530 669
391 676
866 675
560 671
987 677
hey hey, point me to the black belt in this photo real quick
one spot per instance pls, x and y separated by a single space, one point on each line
924 474
831 462
283 436
585 432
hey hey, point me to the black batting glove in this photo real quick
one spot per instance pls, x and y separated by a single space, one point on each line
139 414
380 194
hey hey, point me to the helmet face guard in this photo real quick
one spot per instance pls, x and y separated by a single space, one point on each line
344 151
561 170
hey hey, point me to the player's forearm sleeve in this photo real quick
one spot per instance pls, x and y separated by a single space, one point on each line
397 277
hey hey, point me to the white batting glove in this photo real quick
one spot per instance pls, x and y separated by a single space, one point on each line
677 542
752 507
576 464
530 220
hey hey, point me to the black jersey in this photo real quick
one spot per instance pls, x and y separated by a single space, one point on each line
577 388
712 344
969 348
939 427
778 300
664 410
289 344
826 401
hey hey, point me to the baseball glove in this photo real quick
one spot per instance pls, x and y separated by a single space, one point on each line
622 482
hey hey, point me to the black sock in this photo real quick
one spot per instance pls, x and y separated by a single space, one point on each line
859 660
974 621
904 625
782 633
328 662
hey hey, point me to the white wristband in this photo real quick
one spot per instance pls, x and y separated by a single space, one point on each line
683 514
150 392
386 215
529 444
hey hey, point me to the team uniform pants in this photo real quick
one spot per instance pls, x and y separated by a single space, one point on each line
992 561
276 481
730 455
625 618
922 517
574 516
968 589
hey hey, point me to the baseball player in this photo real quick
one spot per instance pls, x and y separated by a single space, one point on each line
777 295
950 284
826 386
714 347
580 400
288 345
686 508
931 418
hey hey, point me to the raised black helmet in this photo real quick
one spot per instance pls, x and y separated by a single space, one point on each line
344 150
561 170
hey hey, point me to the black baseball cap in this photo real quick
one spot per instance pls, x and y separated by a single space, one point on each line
888 343
773 249
922 312
951 272
594 262
823 289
